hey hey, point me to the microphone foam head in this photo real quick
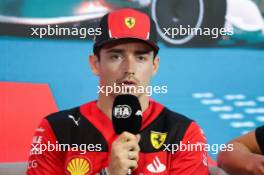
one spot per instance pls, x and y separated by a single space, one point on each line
126 114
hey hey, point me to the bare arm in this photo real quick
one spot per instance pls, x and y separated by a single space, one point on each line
246 157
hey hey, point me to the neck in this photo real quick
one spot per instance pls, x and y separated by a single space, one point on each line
105 103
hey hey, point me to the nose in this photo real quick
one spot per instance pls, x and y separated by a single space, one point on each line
129 65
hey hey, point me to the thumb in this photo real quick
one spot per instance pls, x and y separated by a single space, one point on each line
138 137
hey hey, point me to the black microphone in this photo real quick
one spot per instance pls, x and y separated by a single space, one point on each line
127 115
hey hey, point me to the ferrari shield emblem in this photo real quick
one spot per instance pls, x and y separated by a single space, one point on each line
130 22
157 139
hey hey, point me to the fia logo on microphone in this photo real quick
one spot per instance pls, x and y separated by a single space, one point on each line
122 111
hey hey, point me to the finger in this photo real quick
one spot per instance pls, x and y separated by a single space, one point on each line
133 155
261 170
262 161
131 164
131 146
126 136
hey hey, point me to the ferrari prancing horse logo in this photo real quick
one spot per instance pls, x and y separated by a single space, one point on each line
130 22
157 139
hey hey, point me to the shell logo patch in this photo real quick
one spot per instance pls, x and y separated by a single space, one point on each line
157 139
130 22
79 166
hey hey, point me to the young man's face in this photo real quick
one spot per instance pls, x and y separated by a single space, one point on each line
127 64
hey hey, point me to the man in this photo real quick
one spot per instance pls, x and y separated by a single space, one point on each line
247 157
125 55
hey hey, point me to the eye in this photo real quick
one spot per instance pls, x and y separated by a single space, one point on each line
142 58
115 57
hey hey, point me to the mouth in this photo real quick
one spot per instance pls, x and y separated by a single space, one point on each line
128 83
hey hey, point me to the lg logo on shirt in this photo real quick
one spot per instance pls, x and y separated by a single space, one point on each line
122 111
32 164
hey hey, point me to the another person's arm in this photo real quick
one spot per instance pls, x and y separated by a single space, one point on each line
246 157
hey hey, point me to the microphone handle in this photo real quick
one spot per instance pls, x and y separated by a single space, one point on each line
129 172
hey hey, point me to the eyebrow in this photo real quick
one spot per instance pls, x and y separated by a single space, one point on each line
142 52
137 52
115 51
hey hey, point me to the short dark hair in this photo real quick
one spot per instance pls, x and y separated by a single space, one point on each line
97 54
113 43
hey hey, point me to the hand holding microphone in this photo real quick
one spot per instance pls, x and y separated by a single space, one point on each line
127 119
124 154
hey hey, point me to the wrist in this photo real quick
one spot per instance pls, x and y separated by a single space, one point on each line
105 171
109 171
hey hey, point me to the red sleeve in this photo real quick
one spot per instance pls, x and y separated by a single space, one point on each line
190 162
41 161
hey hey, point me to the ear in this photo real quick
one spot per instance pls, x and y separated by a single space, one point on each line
155 65
94 64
